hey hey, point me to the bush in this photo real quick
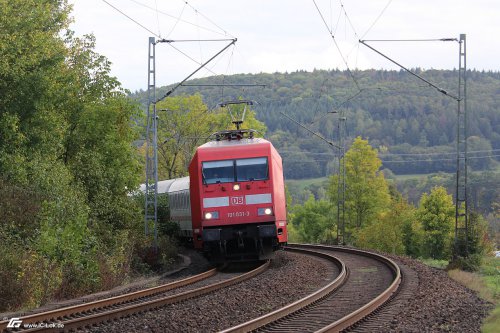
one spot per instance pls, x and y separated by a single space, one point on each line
28 280
159 259
472 263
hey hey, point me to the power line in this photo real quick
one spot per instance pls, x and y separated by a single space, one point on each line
176 21
206 18
378 17
157 18
181 20
413 40
336 44
439 160
130 18
338 106
190 75
394 161
312 132
441 90
190 58
348 18
398 154
451 153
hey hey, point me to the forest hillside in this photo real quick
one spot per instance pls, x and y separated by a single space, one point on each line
412 125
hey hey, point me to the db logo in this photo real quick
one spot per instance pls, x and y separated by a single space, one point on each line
14 323
237 201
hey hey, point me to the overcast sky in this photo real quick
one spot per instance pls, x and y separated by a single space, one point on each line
286 35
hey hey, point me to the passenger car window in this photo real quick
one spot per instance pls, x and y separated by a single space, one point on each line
218 172
249 169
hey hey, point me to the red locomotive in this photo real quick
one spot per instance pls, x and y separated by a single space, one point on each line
236 197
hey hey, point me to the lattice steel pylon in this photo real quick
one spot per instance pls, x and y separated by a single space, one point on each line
151 191
151 188
341 182
461 195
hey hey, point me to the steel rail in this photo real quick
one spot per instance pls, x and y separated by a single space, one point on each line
301 303
369 308
99 304
76 323
347 320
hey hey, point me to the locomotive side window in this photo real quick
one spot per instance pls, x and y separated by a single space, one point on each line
249 169
218 172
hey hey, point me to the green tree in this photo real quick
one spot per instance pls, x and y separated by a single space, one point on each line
390 232
367 192
436 213
313 221
185 123
66 132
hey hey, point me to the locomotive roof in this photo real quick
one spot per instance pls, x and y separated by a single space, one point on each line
233 143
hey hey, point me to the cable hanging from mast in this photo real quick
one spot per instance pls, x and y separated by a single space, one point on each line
337 45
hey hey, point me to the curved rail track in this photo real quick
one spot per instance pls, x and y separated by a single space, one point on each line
88 314
366 281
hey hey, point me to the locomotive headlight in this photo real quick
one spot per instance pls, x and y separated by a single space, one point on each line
236 187
264 211
211 215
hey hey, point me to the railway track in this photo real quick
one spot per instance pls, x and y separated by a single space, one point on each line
366 281
88 314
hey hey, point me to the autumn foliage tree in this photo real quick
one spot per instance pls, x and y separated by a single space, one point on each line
436 215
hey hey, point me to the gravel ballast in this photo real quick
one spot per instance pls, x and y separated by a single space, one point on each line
290 277
439 304
433 302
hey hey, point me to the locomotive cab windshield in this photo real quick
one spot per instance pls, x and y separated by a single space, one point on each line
218 172
250 169
240 170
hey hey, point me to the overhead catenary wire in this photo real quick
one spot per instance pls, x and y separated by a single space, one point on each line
376 20
348 18
176 21
441 90
207 18
450 153
400 161
130 18
336 45
165 40
438 160
312 132
157 18
400 154
347 100
169 92
414 40
224 33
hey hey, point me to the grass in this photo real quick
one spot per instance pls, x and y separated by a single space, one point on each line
412 176
492 323
487 283
301 184
435 263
